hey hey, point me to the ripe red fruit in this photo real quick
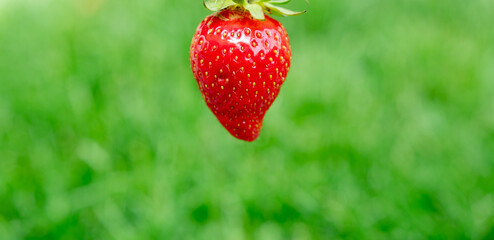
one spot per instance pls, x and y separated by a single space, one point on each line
240 63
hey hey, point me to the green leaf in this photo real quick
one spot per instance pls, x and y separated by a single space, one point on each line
279 2
216 5
281 11
255 10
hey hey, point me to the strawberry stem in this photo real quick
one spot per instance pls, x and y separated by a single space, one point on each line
257 8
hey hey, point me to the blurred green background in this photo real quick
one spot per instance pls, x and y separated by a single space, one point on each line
384 128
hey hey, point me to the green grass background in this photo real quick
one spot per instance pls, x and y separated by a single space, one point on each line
384 128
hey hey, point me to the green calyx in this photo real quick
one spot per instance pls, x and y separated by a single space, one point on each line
257 8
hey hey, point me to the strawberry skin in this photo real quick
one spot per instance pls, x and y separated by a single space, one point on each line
239 64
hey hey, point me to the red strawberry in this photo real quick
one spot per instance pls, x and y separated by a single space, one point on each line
240 63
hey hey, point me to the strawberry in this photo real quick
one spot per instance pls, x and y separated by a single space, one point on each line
240 58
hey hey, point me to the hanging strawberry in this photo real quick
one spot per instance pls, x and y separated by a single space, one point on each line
240 58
